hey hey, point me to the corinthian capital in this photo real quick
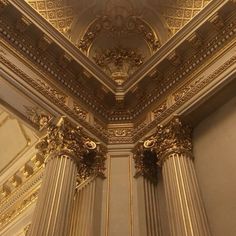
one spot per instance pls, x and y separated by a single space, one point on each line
175 137
65 139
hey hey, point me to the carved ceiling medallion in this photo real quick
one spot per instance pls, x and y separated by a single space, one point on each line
119 44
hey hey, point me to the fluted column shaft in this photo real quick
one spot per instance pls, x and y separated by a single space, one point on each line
53 210
172 146
67 152
185 208
83 210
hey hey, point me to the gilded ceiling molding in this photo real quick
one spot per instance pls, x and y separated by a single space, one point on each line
182 97
58 13
38 117
179 13
57 98
176 75
192 66
187 71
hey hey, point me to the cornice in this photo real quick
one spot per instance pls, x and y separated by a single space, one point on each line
188 97
55 97
64 43
189 68
46 66
129 134
161 54
175 76
161 102
203 16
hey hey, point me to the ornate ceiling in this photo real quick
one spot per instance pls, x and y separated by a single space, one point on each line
116 68
115 63
118 36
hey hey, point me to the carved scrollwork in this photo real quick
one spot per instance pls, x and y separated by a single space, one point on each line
119 26
146 160
118 62
175 137
37 116
64 139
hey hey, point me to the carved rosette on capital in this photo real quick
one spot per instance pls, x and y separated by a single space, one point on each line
172 146
70 157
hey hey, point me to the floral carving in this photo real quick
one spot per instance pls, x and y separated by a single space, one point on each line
119 26
64 139
38 117
175 137
146 162
119 63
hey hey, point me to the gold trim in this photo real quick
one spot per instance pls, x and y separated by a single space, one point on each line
131 197
108 196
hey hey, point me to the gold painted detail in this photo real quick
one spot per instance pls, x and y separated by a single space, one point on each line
120 132
58 13
175 137
82 114
146 162
119 26
10 215
120 135
37 117
178 13
118 62
26 229
158 111
65 139
3 4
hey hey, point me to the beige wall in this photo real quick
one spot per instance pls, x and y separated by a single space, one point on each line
215 161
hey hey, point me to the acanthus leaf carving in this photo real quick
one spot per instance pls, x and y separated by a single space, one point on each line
175 137
65 139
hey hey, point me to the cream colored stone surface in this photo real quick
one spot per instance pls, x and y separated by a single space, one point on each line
119 222
15 139
215 162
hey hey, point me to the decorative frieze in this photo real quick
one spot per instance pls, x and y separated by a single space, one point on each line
186 69
38 117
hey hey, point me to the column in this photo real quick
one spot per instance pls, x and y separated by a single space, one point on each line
173 148
64 147
147 188
83 209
